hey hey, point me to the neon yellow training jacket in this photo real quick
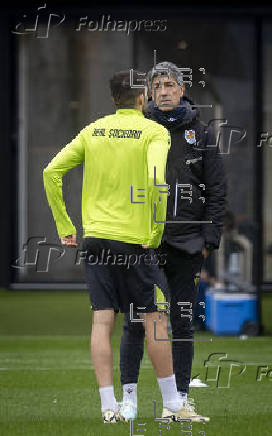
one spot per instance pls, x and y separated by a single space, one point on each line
119 153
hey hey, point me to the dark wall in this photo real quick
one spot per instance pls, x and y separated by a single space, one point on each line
7 152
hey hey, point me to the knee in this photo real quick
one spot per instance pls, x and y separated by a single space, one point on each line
103 321
135 330
156 326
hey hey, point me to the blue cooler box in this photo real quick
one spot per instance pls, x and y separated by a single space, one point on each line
209 294
208 309
228 312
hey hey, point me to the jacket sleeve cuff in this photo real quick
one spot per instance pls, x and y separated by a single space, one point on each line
63 232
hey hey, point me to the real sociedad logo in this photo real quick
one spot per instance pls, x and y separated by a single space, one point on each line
190 136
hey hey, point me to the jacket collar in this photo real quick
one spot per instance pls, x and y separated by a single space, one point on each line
129 112
187 112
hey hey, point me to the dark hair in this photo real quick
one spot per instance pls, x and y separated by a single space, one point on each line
124 95
164 69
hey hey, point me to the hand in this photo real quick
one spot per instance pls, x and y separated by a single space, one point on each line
69 240
205 253
145 246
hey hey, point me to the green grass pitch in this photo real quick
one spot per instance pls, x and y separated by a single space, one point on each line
48 387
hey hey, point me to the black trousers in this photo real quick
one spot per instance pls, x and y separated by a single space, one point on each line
182 273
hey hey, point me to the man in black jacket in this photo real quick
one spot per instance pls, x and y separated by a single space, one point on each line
195 211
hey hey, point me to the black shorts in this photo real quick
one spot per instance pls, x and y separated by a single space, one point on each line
119 273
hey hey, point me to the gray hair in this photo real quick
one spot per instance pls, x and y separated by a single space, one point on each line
164 69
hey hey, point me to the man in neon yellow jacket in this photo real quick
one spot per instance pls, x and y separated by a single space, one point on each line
120 153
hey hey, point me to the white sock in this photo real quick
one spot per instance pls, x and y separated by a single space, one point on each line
130 392
108 401
170 397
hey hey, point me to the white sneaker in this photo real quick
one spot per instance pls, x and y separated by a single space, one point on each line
111 417
197 383
190 412
187 411
128 410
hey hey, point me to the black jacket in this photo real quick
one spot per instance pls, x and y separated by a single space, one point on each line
200 171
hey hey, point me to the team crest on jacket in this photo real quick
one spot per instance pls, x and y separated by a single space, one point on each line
190 136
